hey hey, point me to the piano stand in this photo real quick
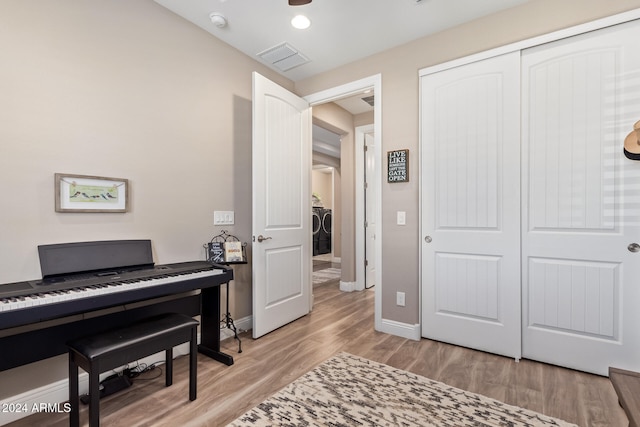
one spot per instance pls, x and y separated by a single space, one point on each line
210 330
217 255
215 355
230 325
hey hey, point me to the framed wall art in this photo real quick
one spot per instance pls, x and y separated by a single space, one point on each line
85 193
398 166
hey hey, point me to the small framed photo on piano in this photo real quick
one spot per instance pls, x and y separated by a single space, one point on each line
86 193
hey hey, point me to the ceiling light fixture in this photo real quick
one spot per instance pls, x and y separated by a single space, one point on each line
300 22
298 2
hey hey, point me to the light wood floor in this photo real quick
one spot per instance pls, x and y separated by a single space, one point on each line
344 322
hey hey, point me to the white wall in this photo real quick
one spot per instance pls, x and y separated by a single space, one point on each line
322 185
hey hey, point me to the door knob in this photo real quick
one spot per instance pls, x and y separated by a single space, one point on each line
428 239
634 247
261 238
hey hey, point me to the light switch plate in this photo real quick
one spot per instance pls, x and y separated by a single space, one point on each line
223 217
401 218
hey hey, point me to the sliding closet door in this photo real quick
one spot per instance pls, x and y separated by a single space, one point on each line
581 283
470 138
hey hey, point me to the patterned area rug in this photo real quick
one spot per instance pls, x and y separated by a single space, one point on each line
325 275
348 390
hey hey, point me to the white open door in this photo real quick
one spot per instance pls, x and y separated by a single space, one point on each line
281 206
471 205
370 211
366 208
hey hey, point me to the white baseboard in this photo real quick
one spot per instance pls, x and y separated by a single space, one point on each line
405 330
347 286
244 324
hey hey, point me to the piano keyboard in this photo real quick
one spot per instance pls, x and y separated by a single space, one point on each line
88 291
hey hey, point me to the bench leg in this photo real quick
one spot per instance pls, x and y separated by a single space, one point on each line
193 365
74 399
94 397
169 366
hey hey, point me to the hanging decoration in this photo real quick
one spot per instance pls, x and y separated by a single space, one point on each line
632 143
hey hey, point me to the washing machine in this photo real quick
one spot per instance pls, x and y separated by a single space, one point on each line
324 239
316 214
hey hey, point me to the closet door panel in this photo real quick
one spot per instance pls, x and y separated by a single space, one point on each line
470 205
570 116
580 282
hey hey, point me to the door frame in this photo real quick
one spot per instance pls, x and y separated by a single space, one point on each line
373 82
598 24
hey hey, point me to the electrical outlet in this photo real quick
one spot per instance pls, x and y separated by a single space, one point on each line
400 299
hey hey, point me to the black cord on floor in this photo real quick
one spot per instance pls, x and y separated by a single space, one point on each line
140 369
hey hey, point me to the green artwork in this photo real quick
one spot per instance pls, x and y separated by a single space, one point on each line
93 193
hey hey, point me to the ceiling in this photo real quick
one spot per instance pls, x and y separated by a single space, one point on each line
341 31
326 142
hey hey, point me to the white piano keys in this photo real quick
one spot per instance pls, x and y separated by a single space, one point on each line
55 296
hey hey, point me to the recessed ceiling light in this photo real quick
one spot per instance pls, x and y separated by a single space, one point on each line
301 22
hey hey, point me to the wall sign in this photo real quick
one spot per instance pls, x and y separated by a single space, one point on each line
398 166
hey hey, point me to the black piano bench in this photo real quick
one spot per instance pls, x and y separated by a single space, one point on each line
99 353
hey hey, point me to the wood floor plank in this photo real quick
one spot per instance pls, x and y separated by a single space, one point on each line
627 387
344 322
560 383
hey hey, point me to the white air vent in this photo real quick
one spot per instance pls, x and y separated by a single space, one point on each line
283 56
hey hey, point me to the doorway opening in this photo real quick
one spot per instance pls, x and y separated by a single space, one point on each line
326 206
352 260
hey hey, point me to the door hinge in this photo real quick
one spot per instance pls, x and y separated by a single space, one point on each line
366 263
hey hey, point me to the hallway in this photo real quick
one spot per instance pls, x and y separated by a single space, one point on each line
324 270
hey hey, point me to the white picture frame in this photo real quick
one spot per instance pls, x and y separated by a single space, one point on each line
87 193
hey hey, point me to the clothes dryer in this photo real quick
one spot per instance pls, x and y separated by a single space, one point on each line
316 214
325 232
